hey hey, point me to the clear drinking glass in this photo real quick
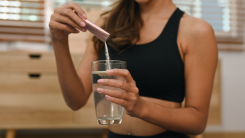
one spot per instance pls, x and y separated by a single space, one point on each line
107 113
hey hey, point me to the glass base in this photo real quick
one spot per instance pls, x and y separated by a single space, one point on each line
109 122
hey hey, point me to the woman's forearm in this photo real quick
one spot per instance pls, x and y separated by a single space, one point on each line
71 86
185 120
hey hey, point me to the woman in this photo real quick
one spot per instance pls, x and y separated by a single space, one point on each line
170 55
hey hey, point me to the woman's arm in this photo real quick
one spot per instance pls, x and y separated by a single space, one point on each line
75 88
200 59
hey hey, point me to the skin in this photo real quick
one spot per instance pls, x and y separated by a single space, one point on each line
143 116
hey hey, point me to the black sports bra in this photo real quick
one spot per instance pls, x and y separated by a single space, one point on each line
156 67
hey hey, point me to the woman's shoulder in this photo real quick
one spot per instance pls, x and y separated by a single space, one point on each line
194 26
195 33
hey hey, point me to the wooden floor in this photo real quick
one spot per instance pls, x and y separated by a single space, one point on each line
89 133
225 135
62 136
98 134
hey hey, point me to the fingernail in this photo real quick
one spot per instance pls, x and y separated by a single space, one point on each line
82 24
100 81
107 96
99 90
83 29
77 31
84 16
109 71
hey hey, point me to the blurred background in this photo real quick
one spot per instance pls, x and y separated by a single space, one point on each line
31 104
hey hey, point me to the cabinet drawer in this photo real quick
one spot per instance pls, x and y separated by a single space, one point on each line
24 118
29 62
29 83
87 113
31 99
36 101
26 109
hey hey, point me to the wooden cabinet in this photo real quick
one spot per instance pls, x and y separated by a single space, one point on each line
28 83
29 62
30 95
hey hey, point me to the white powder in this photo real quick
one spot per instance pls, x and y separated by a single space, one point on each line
107 57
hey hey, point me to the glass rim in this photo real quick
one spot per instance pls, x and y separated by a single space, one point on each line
111 61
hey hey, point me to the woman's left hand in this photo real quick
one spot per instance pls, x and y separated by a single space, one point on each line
129 98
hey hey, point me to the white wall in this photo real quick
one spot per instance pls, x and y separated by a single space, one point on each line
232 92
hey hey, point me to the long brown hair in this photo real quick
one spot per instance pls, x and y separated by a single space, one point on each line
123 23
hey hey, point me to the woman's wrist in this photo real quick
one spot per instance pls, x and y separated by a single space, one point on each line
143 109
62 43
61 47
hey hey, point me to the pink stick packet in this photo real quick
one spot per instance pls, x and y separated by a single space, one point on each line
96 30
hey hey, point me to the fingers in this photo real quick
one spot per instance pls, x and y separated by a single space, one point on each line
69 11
117 93
60 26
78 9
118 84
122 72
65 20
124 103
84 29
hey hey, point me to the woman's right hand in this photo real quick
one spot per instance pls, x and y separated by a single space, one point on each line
65 20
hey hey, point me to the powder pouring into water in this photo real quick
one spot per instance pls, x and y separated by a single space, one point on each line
107 58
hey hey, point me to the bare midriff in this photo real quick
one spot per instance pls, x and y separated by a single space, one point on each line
137 127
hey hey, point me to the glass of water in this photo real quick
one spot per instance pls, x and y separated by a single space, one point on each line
107 113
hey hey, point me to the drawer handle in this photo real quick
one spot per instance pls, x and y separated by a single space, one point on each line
35 56
34 75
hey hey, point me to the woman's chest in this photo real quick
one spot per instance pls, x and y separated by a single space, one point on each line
149 63
151 30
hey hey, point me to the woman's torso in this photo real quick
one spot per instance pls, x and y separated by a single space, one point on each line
135 126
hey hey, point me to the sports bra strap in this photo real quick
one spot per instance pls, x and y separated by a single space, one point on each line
172 25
